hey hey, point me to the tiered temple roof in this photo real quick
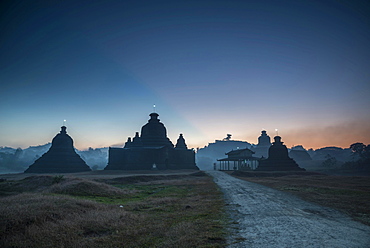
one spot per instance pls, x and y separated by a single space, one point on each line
152 149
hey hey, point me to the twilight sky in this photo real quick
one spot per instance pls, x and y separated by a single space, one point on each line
211 68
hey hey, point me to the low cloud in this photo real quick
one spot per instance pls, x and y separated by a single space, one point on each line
342 135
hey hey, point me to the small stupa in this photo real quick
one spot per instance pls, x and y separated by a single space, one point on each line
180 144
61 157
264 139
278 159
262 148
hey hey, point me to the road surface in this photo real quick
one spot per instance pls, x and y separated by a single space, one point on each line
264 217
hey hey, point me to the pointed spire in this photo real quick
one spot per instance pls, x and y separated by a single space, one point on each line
278 140
128 143
136 141
154 117
63 130
181 143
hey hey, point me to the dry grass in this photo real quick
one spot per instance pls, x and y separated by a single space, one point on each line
152 178
84 187
35 220
348 194
177 212
61 185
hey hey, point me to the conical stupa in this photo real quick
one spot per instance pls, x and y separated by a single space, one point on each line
61 157
181 143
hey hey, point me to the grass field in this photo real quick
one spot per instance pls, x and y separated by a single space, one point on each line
349 194
130 211
155 210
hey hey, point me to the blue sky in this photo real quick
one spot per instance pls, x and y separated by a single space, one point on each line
211 68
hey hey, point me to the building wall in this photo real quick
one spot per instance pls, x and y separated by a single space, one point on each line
144 158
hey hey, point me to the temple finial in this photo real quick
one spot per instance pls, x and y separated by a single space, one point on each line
63 130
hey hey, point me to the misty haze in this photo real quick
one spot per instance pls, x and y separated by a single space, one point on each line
185 123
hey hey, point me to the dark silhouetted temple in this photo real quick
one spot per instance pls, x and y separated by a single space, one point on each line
152 150
61 157
278 159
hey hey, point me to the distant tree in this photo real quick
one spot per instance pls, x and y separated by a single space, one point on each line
366 153
330 162
362 151
18 153
358 148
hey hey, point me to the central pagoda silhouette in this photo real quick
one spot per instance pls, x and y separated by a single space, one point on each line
152 150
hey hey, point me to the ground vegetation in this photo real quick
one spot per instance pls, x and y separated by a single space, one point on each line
137 211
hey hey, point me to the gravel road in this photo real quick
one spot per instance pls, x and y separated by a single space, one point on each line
264 217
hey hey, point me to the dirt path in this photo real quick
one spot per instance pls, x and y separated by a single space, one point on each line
265 217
